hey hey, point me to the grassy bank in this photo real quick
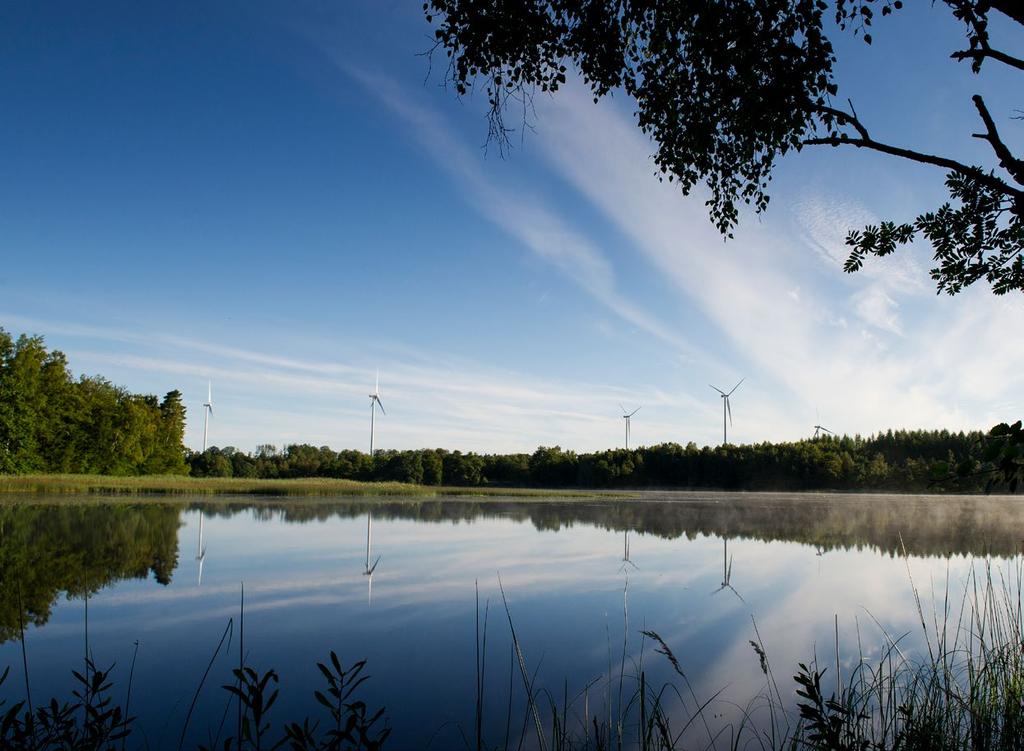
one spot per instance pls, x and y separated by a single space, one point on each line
316 486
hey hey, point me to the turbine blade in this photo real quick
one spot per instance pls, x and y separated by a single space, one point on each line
737 385
717 389
728 408
379 404
622 408
376 383
635 411
373 567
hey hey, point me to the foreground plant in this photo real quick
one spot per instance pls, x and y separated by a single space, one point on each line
91 722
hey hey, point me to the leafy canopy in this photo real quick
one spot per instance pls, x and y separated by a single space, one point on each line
726 87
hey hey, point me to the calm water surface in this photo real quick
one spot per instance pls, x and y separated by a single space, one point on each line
582 579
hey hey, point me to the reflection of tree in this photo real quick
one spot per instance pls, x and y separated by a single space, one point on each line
939 526
77 550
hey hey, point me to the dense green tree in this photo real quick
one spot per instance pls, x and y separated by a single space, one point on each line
50 422
903 460
724 88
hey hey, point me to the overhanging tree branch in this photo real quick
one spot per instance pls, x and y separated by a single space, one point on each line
981 54
1007 160
917 156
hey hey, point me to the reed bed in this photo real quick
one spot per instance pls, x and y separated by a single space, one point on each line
320 486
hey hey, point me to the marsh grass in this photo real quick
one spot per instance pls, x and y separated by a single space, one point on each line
962 688
319 486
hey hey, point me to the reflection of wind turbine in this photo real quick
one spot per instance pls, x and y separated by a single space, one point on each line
625 416
727 570
726 408
200 550
819 428
368 569
374 403
625 553
208 409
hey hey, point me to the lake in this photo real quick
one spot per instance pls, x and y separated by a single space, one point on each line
582 578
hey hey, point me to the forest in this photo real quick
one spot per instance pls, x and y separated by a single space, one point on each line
904 460
51 422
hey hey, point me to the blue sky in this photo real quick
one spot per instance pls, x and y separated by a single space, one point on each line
281 199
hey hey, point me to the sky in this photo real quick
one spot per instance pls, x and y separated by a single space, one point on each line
283 199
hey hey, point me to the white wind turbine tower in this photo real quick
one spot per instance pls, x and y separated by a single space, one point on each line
625 416
726 409
208 409
819 428
374 403
368 569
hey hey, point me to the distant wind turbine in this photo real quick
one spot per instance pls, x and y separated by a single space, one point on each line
368 569
726 409
819 429
625 416
625 553
208 409
374 403
727 571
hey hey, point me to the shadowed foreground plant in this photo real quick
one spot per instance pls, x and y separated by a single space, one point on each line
351 726
89 723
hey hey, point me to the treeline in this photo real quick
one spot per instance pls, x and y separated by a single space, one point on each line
52 422
896 460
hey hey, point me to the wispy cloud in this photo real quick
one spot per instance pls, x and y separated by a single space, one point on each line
898 364
540 229
453 403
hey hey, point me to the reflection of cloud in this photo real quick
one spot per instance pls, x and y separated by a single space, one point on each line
565 591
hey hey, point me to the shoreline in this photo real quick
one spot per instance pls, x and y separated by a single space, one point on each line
318 487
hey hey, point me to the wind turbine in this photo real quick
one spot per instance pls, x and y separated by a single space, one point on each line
819 429
626 562
200 550
726 408
625 416
368 569
208 409
374 403
727 571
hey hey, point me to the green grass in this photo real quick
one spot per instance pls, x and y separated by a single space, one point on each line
181 485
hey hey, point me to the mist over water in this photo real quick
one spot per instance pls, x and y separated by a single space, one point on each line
582 579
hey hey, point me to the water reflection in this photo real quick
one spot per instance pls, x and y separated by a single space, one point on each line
367 568
626 562
200 551
727 571
306 564
76 549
